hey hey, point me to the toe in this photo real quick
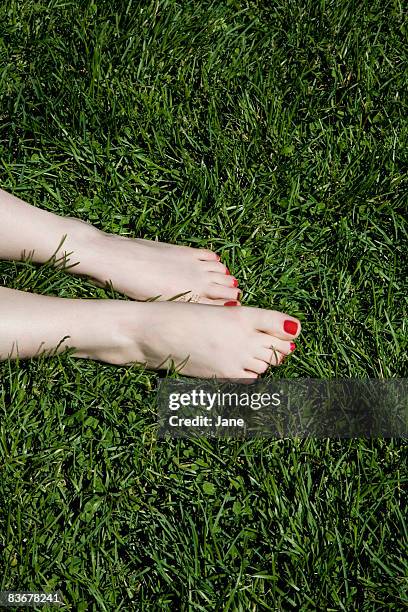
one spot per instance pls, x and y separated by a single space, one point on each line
270 356
218 292
205 255
223 279
219 302
277 324
249 374
215 266
267 342
256 365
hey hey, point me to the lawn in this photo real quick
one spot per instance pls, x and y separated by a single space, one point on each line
274 132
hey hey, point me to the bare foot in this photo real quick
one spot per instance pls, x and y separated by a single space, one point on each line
199 340
139 268
144 269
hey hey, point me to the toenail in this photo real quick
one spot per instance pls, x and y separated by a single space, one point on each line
234 282
292 346
227 271
290 327
231 303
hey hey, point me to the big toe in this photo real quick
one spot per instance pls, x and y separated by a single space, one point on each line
277 324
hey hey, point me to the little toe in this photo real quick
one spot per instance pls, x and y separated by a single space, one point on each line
249 374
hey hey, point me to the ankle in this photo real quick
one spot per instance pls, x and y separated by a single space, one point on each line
111 331
79 243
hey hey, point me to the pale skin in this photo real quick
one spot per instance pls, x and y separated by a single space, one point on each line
198 339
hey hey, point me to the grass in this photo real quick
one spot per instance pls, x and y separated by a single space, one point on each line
275 133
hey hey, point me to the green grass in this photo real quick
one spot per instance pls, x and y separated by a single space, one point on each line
275 133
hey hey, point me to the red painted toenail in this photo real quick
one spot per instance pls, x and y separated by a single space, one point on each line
292 346
234 282
231 303
227 271
290 327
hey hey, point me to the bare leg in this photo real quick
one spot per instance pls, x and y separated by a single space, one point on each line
31 324
26 230
139 268
200 340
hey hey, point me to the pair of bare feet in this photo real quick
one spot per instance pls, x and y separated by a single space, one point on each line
202 338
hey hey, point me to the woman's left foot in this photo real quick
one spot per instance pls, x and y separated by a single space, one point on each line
145 269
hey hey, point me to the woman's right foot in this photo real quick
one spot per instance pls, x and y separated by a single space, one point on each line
198 340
